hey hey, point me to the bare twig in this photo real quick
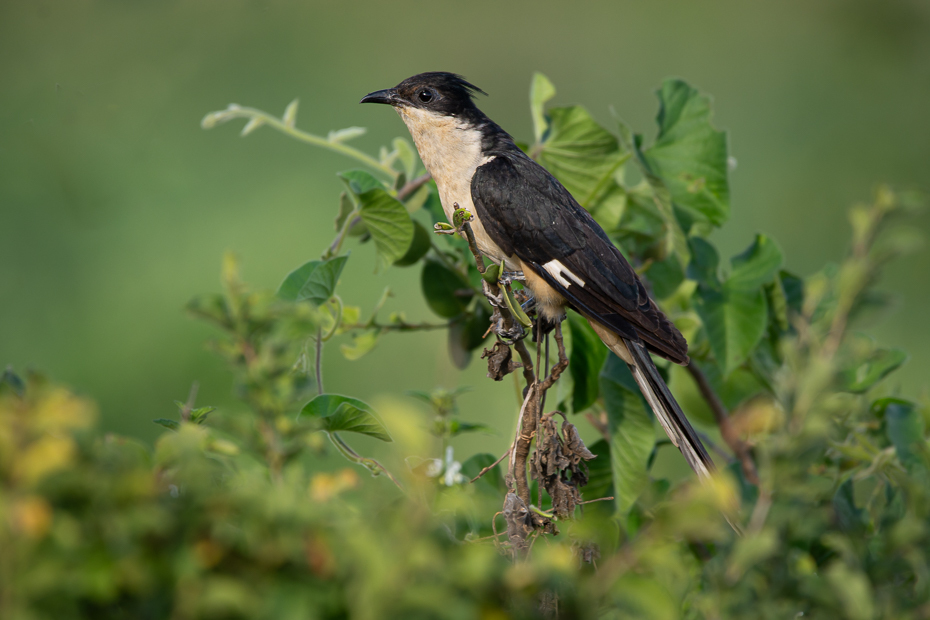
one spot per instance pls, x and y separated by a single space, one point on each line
319 360
599 499
413 185
371 464
399 326
492 465
739 447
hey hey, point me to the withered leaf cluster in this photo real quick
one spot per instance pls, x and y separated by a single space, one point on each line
559 463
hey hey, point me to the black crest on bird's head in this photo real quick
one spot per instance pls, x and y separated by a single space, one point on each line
444 93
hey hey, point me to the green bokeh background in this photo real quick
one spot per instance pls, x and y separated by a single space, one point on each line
115 207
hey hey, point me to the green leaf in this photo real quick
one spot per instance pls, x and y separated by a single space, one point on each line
314 281
418 247
458 352
344 414
581 154
359 181
9 380
880 364
541 91
735 312
905 429
600 472
689 154
704 264
199 415
848 515
213 308
172 425
475 329
362 344
632 435
457 427
443 289
665 276
674 236
389 225
584 362
756 265
735 322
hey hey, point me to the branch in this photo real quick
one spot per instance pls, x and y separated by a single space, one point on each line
400 326
739 447
258 117
492 465
371 464
411 186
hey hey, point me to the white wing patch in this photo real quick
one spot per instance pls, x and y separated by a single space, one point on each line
558 271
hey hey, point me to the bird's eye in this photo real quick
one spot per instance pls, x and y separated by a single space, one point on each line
425 96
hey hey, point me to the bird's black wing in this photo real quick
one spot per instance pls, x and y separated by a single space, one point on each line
527 212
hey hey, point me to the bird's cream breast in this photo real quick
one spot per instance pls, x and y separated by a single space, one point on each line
451 151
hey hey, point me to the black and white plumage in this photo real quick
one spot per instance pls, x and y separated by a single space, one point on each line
525 217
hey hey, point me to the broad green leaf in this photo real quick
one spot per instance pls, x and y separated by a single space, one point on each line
584 362
905 428
389 225
704 264
359 181
600 472
458 352
447 292
541 91
689 154
475 329
881 363
581 154
610 208
756 265
735 322
172 425
675 237
344 414
418 247
362 344
314 281
665 276
632 435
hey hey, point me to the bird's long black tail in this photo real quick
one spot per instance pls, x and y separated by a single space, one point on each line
668 412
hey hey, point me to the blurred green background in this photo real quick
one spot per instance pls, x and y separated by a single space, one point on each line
116 208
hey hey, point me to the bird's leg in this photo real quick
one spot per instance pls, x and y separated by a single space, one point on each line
562 364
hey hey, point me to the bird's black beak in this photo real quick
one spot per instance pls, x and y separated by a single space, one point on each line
388 96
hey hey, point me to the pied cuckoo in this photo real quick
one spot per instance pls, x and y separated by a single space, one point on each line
527 219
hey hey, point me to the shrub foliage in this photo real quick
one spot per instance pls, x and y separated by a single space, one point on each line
820 507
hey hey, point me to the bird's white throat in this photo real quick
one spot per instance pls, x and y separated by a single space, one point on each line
451 151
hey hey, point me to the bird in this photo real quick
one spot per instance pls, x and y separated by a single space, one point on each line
524 218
